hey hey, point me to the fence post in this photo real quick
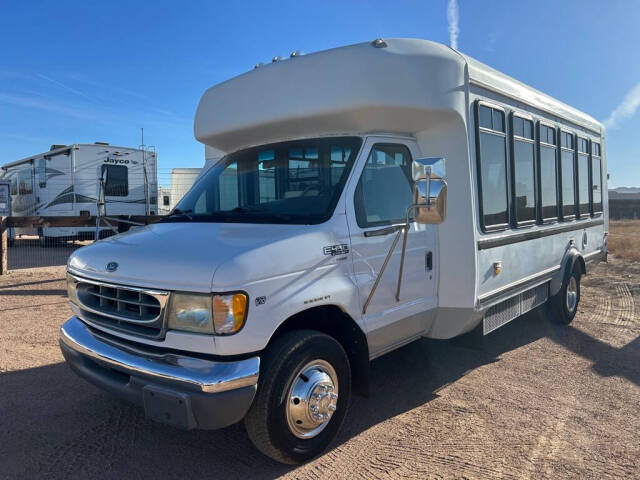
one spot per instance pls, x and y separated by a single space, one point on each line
3 246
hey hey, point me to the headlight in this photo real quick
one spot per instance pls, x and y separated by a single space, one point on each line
229 313
203 313
190 312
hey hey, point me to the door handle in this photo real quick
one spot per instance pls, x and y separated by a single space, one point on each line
428 261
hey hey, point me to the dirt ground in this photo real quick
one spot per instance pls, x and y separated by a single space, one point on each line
537 401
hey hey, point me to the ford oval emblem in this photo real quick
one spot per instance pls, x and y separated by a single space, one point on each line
112 266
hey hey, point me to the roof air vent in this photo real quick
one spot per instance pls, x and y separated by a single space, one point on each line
277 58
56 147
296 53
101 143
258 65
379 43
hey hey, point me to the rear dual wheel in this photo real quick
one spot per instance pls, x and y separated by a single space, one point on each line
565 302
302 398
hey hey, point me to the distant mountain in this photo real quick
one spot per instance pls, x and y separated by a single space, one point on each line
624 193
625 190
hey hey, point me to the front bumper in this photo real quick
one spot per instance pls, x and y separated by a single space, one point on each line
184 391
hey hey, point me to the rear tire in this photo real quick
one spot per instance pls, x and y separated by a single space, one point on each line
303 395
565 302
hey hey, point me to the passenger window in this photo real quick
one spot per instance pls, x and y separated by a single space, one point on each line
384 190
523 171
548 174
596 178
117 181
567 177
492 165
25 182
583 177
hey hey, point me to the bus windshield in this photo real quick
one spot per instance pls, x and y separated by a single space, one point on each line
294 182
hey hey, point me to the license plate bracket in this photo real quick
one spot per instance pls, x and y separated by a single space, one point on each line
167 406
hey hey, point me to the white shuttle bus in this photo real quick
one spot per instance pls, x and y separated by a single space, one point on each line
65 182
369 196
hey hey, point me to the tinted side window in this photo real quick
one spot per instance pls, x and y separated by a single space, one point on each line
567 180
384 190
548 174
583 184
117 181
492 165
596 177
523 171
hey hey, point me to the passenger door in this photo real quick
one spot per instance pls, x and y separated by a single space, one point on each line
377 198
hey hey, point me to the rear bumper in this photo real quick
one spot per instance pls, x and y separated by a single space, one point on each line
183 391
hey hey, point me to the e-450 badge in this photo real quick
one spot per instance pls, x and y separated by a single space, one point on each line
334 250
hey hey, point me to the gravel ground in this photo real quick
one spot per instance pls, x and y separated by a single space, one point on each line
536 401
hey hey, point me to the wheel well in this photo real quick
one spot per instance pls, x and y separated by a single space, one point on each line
329 319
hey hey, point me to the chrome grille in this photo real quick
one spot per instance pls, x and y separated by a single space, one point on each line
133 310
128 304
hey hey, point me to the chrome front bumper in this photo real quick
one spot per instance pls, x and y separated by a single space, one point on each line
185 391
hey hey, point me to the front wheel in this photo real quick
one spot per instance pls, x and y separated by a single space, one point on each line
302 398
565 302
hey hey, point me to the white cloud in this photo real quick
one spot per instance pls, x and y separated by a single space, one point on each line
453 16
626 109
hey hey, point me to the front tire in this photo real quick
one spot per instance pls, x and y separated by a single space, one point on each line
303 395
565 303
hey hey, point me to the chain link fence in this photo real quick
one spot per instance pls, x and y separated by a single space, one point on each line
52 216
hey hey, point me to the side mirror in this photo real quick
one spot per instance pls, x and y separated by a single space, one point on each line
429 190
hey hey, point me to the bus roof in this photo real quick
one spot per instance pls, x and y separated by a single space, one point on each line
356 89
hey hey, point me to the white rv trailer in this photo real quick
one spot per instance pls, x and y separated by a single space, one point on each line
286 268
181 181
65 182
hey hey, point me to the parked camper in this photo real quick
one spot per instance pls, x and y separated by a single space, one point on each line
65 182
379 193
181 181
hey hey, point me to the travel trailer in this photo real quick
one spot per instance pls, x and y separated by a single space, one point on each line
181 181
378 193
65 181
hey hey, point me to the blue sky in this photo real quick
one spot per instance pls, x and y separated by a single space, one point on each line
75 72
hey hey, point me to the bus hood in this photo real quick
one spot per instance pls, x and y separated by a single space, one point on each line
185 256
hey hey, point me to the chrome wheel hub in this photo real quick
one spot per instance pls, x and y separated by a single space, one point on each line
572 294
312 398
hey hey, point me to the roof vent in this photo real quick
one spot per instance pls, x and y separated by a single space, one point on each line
56 147
258 65
101 143
277 58
379 43
296 53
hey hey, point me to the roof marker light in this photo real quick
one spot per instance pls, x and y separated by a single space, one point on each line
379 43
